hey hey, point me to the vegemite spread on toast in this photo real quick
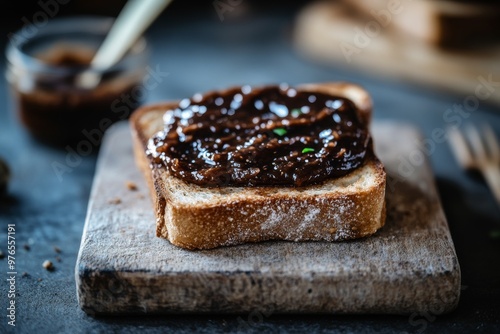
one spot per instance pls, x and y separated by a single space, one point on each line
271 136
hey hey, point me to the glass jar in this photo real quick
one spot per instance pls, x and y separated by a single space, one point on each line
43 68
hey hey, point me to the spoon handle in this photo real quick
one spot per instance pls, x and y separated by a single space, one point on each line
134 19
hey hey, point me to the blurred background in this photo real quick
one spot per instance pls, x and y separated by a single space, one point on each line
444 43
429 63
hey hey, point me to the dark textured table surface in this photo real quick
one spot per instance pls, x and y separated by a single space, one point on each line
199 55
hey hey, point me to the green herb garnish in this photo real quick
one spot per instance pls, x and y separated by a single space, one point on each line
494 234
307 150
280 131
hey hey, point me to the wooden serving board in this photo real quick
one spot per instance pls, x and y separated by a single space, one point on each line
408 266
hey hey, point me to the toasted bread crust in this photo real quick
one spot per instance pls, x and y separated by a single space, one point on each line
349 207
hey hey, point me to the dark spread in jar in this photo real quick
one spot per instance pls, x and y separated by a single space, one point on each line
58 112
272 136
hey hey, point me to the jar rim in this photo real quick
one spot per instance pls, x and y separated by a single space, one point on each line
91 25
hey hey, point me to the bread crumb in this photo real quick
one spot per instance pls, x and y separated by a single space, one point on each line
131 185
115 200
58 258
27 247
57 249
39 280
48 265
25 274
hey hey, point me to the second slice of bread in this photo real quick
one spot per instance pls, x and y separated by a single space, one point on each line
195 217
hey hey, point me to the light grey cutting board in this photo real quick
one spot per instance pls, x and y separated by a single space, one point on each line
410 265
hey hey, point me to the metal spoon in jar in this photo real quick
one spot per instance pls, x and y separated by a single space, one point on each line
134 19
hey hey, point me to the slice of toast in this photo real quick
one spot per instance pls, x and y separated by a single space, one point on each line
196 217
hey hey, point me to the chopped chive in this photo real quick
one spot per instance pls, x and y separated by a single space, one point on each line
495 234
280 131
307 150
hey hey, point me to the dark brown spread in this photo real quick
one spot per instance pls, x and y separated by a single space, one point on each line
273 136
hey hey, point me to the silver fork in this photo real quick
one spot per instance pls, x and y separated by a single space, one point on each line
475 152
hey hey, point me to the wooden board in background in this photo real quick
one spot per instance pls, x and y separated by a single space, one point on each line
408 266
324 29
